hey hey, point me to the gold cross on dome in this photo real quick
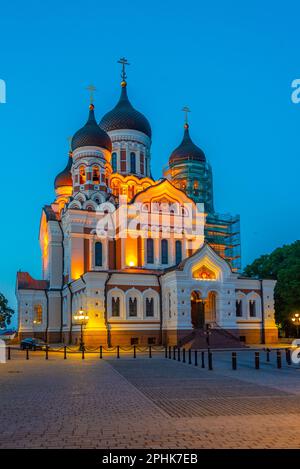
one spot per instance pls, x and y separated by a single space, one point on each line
124 62
186 110
91 89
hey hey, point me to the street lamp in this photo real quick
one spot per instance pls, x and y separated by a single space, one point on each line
296 322
82 319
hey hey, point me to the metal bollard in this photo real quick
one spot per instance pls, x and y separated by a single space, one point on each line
65 352
268 354
150 351
210 363
27 354
278 359
183 355
178 354
47 352
118 351
174 353
196 358
82 352
190 356
288 356
134 351
166 352
202 360
234 361
170 352
101 351
8 353
257 360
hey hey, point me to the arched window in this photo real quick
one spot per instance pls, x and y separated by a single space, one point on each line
239 308
149 307
98 254
178 252
150 251
115 307
96 175
82 175
132 307
164 251
132 163
252 308
38 314
114 162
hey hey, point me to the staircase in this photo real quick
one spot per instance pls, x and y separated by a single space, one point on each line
218 338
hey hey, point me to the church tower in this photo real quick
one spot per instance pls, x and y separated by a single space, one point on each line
130 133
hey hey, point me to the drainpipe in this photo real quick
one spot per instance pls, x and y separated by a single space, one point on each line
263 333
47 320
105 310
160 311
71 314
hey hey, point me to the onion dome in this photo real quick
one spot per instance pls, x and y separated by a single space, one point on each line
124 116
64 178
187 150
90 135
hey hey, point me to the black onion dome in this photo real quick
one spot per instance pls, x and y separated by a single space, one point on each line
90 135
124 116
187 150
65 177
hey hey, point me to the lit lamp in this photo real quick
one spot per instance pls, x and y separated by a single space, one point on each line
131 264
296 321
82 319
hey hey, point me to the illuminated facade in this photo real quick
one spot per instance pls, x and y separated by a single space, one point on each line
148 287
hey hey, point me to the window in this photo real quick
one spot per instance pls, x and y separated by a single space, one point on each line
115 307
134 340
132 163
38 314
178 252
150 251
98 254
114 162
132 307
96 175
252 308
149 307
238 308
82 175
164 251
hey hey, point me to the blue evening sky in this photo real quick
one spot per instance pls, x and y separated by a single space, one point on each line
232 62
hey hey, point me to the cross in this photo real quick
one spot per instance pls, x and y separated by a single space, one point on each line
124 62
91 89
186 110
70 140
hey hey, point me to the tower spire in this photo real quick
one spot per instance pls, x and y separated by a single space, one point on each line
123 61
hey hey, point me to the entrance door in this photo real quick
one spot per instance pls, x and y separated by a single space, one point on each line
197 310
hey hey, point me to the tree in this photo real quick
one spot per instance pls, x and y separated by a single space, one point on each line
283 265
5 311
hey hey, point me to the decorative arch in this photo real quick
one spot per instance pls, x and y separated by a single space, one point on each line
133 304
113 295
150 297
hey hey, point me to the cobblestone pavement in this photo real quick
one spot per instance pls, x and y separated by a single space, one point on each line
147 403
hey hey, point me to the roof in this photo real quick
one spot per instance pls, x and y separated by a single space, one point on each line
187 149
124 116
26 282
64 178
91 135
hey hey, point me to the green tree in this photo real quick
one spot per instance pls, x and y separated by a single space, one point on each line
5 311
283 265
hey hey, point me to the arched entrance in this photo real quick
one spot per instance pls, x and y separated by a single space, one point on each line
197 310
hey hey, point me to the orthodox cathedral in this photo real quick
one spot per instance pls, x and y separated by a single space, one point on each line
150 281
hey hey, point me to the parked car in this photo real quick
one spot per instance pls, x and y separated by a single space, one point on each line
32 344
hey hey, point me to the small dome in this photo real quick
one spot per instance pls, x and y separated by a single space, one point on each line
65 177
90 135
124 116
187 150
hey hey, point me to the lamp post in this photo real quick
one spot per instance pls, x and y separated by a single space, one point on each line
82 319
296 322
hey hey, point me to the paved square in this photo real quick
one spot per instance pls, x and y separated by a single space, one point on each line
147 403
